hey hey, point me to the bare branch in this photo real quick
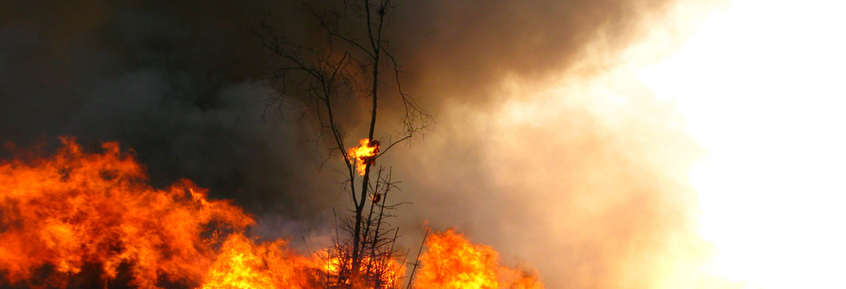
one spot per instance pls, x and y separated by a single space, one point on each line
345 60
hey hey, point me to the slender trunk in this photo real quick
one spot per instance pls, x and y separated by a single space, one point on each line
374 41
365 235
379 220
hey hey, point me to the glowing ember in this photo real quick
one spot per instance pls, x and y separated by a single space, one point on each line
364 154
451 261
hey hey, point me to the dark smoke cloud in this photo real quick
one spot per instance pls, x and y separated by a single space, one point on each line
181 83
464 46
178 86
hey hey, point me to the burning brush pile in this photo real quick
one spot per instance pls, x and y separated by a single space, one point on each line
90 220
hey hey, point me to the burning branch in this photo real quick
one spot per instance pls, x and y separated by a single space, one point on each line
364 154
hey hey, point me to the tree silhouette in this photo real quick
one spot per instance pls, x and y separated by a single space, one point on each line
350 57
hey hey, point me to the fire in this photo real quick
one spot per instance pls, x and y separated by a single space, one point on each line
244 264
89 220
77 210
378 271
364 154
451 261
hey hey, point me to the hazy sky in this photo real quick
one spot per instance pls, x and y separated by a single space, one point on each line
545 145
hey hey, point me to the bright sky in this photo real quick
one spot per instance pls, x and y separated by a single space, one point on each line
761 86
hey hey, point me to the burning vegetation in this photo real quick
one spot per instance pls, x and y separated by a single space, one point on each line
364 154
78 210
451 261
83 220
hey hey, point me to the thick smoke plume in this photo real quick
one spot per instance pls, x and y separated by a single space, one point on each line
589 187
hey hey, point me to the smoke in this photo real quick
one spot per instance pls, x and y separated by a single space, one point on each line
528 154
180 87
583 185
464 47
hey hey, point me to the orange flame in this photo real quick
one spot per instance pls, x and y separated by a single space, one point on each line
382 271
364 154
82 209
243 264
78 213
452 262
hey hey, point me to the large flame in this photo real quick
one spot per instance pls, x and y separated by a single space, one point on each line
364 154
78 214
379 271
78 209
243 264
451 261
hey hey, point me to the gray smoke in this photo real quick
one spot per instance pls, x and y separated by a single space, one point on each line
581 198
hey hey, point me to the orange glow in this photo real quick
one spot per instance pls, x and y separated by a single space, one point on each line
80 209
379 272
364 154
451 261
78 213
243 264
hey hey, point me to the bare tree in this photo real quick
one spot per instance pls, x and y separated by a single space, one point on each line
350 57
